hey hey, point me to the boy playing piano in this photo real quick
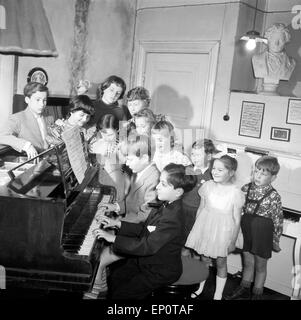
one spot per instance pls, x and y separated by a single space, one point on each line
135 209
152 248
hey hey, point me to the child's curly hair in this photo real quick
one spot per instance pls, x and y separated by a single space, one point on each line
139 93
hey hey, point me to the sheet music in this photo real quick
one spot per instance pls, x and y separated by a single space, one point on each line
74 146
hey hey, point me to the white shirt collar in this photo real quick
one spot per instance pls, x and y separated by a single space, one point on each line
36 115
202 169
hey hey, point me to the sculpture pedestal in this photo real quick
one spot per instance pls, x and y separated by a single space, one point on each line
268 86
269 89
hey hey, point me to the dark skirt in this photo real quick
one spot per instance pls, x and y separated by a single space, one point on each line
258 235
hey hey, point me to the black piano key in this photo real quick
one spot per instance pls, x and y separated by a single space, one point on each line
78 231
76 210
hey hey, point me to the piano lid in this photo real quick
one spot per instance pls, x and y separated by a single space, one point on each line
52 170
290 214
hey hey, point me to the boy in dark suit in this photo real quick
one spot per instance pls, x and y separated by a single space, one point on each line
152 248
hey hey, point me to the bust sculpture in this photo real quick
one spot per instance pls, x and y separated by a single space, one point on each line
273 64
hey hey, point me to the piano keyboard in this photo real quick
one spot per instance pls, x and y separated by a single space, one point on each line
89 239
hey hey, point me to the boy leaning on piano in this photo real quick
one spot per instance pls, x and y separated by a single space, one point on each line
27 130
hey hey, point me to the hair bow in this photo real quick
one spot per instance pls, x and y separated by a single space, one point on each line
223 150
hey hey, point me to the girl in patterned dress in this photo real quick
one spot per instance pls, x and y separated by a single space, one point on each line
217 224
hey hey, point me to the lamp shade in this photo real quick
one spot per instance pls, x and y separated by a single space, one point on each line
25 29
254 35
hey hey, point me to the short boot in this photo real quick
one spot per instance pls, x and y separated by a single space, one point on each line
240 293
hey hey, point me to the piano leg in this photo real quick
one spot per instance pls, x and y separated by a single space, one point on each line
296 281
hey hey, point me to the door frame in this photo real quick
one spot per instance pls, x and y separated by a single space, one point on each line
144 47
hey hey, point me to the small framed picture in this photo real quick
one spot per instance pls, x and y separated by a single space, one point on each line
281 134
293 115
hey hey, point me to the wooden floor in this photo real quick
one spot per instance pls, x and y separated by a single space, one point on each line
231 284
208 292
209 288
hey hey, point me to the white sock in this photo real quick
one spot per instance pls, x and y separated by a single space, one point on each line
220 285
200 289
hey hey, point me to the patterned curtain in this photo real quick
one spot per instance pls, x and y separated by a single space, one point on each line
24 29
79 52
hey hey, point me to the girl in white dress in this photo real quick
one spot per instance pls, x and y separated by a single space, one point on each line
218 220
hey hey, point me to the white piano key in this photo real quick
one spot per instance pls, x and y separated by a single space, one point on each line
88 242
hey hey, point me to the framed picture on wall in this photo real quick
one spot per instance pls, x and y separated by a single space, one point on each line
281 134
251 118
293 115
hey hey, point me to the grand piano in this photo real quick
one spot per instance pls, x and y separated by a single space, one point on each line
46 222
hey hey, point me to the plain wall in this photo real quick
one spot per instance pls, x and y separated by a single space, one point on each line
6 86
60 15
275 113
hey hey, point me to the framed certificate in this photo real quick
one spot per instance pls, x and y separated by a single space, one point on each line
251 118
293 115
37 75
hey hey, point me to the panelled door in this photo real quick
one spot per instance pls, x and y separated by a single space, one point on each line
181 78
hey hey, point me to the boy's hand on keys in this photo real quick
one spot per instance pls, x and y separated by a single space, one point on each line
107 206
107 222
98 233
99 215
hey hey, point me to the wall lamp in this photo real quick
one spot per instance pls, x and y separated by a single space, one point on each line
253 36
